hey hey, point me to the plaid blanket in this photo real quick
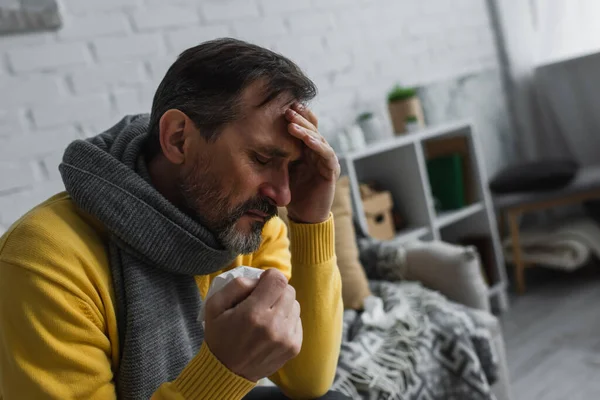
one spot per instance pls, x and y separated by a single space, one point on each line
417 346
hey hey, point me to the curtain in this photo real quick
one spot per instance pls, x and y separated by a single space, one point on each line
551 54
566 29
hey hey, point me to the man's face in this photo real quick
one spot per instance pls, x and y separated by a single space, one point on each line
235 184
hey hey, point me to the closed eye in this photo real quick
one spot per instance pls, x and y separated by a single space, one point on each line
261 160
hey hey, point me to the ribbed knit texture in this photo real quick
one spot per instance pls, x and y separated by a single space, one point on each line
155 251
205 375
305 251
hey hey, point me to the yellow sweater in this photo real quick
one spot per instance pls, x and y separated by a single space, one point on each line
59 338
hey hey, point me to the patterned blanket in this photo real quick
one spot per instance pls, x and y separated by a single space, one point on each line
412 344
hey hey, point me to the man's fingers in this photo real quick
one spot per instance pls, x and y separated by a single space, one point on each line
323 149
298 332
271 285
299 119
231 295
304 134
296 310
285 303
306 113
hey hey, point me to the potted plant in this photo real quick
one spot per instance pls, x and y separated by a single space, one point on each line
403 102
364 116
371 127
411 123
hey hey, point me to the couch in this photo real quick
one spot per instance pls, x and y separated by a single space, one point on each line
454 272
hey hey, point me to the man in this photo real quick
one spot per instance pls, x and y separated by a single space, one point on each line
101 285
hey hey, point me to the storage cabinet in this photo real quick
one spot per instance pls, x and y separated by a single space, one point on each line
399 165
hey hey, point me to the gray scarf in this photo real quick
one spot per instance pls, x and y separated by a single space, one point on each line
155 250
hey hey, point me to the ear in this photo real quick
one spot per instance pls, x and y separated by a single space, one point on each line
174 131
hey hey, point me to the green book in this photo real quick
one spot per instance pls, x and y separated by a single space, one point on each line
446 180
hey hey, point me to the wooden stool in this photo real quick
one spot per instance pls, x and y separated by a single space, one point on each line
586 186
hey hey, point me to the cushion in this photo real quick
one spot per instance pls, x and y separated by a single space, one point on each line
452 270
534 176
355 286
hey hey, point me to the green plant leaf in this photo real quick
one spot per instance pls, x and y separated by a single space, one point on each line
401 93
364 116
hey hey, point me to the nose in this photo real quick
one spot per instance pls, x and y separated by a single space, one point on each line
277 188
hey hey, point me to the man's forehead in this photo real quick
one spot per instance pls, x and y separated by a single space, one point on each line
277 142
259 94
265 125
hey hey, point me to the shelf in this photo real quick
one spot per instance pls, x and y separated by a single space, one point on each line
410 234
449 217
406 139
496 289
399 165
380 147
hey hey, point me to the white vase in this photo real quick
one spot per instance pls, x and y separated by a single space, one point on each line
342 144
412 126
356 137
372 129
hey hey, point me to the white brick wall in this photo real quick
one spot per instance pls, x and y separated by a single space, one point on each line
229 10
32 145
99 78
16 174
129 47
48 57
11 123
72 109
181 39
110 55
77 7
21 91
278 7
165 17
91 26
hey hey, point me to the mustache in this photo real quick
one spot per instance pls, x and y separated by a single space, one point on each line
260 204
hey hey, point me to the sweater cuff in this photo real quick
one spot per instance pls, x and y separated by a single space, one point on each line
206 378
312 243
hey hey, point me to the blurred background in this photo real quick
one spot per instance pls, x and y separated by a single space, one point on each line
108 57
520 76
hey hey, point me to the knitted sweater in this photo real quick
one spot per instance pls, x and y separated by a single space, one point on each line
59 336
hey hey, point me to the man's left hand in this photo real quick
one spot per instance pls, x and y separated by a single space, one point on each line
312 181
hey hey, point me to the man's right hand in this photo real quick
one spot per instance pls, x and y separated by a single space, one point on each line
253 326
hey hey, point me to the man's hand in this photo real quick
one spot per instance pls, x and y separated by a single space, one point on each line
312 182
253 326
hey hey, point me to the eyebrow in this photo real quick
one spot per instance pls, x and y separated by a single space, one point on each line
273 151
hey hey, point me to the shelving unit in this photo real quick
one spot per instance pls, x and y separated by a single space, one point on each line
412 233
449 217
399 165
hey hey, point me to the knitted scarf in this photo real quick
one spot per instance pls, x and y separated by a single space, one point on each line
155 250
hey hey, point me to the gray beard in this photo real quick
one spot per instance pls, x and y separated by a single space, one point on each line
214 203
228 234
239 242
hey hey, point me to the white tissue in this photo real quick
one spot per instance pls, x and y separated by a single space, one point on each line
375 315
221 280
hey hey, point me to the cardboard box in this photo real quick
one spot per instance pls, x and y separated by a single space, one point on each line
378 212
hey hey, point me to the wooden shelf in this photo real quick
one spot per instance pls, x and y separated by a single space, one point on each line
449 217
